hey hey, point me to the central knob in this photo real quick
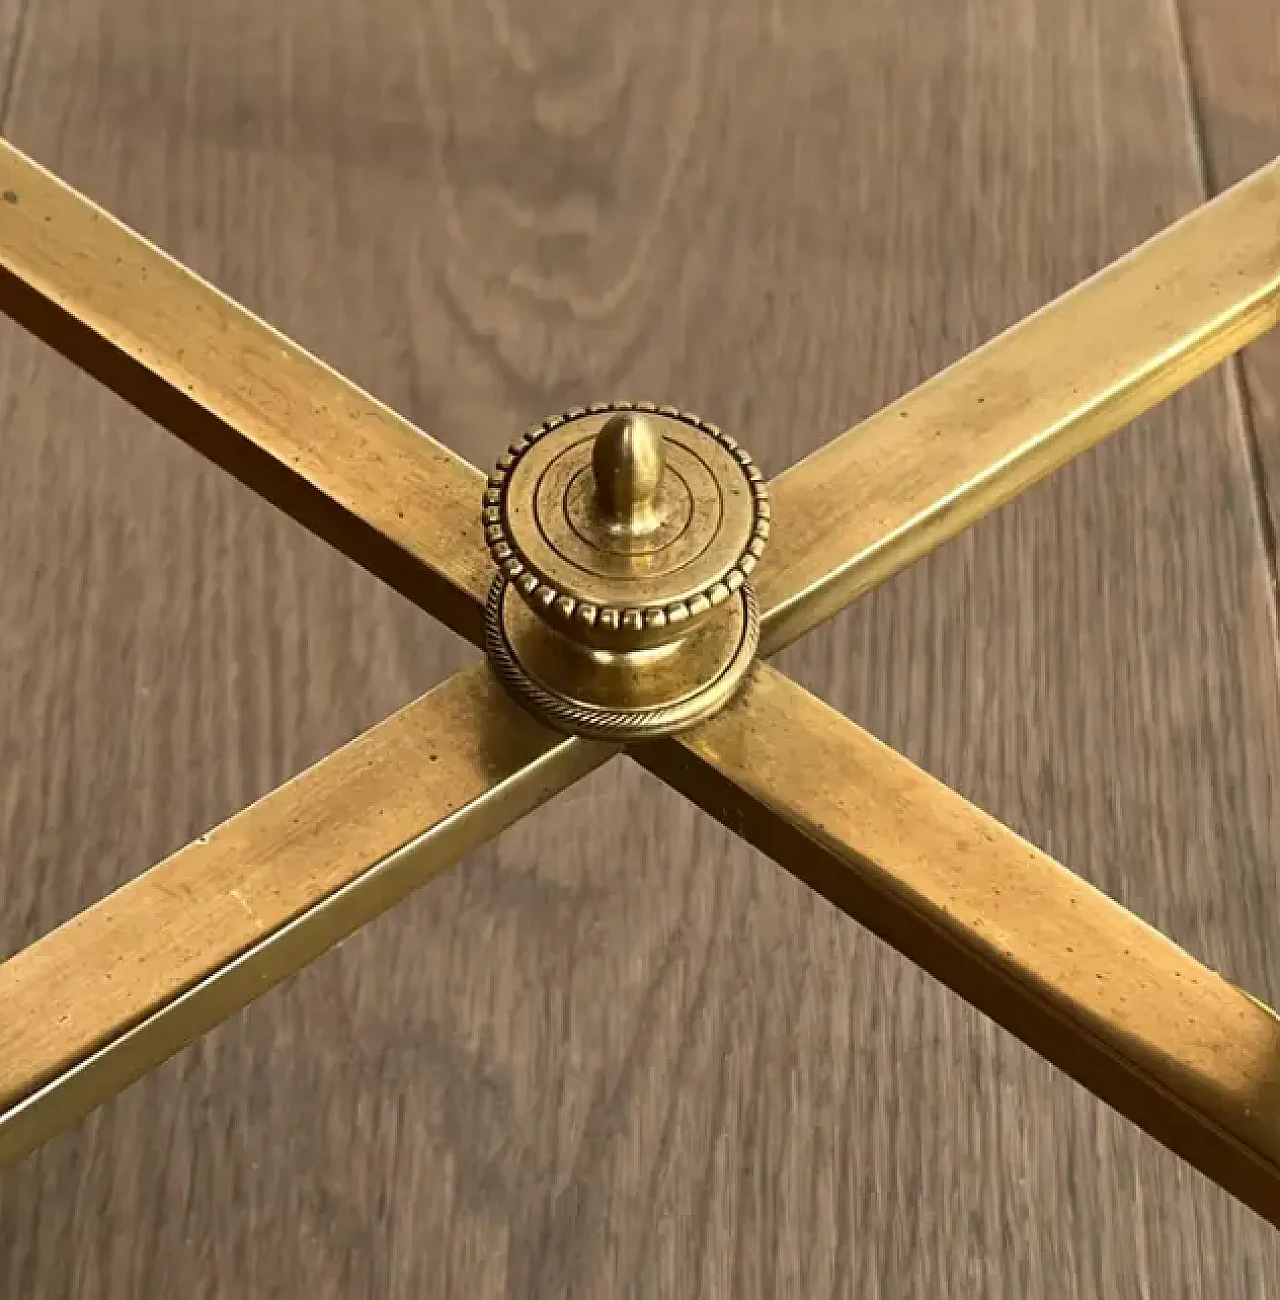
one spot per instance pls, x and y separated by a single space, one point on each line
627 460
625 536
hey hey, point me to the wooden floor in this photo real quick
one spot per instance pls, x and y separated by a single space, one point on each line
617 1054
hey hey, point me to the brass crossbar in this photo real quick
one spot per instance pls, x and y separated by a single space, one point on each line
134 978
1108 999
92 1005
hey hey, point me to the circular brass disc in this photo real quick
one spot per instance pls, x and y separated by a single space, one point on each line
707 511
569 523
603 574
620 696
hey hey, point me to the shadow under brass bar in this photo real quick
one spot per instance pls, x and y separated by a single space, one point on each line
1171 1045
118 989
339 462
923 469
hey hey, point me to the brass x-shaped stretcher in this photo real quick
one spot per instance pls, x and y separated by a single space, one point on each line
102 999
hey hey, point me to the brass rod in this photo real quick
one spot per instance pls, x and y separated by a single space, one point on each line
242 394
118 989
1115 1004
923 469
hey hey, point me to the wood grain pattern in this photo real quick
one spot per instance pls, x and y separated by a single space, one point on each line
617 1053
123 985
385 494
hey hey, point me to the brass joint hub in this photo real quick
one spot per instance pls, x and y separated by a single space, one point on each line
625 535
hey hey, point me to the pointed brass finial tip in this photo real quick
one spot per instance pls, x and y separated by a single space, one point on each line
627 461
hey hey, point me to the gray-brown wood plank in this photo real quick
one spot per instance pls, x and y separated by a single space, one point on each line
616 1053
1233 57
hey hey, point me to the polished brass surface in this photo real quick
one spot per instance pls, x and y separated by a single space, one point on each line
1170 1044
923 469
704 521
624 534
621 695
111 993
628 460
121 987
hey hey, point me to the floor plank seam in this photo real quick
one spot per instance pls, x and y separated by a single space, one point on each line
1242 400
10 80
1237 384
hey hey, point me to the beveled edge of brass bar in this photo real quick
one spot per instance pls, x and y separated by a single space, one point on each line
1211 1110
127 314
1048 388
64 1093
68 1097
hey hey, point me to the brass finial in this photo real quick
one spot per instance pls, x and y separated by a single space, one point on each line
625 535
627 461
